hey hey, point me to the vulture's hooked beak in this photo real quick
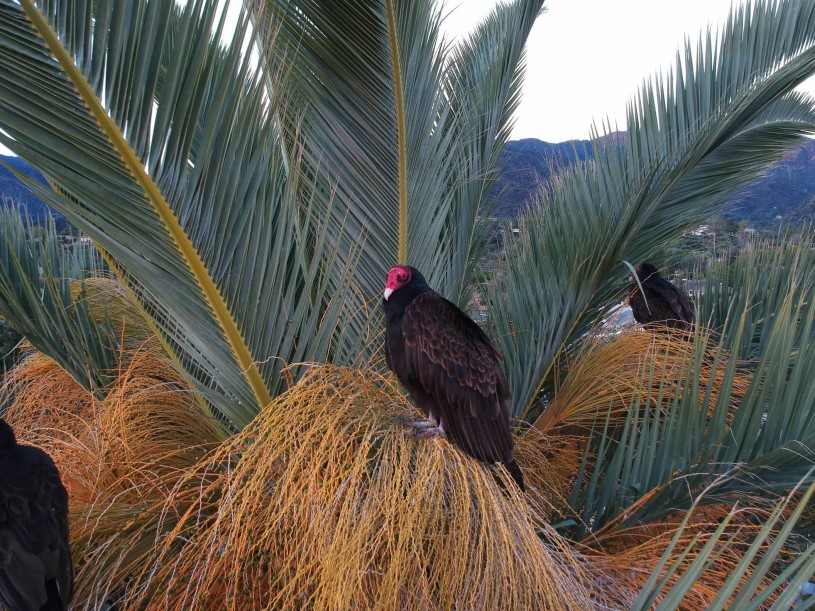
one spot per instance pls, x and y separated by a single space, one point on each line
388 292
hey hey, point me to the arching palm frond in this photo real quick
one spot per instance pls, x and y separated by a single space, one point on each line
456 100
248 228
694 136
753 286
165 150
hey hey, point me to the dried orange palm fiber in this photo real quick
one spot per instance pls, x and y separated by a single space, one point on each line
106 299
326 501
550 465
606 377
146 428
40 384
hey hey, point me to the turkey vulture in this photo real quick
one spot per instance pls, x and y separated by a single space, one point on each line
662 303
449 367
35 560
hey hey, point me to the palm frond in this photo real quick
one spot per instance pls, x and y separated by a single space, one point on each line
147 426
759 577
44 296
174 139
457 101
691 424
483 82
170 160
305 507
694 136
755 284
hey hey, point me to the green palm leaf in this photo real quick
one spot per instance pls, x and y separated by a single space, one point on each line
169 158
485 97
755 284
415 186
236 221
693 137
697 440
36 298
757 564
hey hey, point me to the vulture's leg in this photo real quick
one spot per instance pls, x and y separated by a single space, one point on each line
424 429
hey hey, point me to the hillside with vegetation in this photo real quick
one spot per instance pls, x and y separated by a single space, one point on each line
785 192
13 190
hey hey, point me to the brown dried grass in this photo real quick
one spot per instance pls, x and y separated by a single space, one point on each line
146 428
631 554
107 299
604 380
604 377
326 501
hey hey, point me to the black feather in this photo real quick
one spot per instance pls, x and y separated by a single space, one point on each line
35 557
659 301
451 371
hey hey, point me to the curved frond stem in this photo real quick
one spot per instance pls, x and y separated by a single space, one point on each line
400 135
137 169
159 335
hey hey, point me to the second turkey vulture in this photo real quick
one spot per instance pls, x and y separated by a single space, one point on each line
659 301
449 367
35 560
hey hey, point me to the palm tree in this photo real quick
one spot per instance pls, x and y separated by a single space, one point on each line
249 195
246 205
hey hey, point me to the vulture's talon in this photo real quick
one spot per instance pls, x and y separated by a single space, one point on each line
423 429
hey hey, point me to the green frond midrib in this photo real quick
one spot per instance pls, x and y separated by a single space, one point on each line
400 134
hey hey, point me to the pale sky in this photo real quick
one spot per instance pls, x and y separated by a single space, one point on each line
586 58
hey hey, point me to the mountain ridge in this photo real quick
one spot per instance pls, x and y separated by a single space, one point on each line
14 190
786 192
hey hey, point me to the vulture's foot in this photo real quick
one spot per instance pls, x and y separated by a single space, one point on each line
424 429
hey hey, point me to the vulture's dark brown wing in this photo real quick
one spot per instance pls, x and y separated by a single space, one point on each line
665 304
638 306
35 560
677 306
458 376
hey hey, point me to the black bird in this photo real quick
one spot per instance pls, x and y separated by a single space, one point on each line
35 559
449 367
662 302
